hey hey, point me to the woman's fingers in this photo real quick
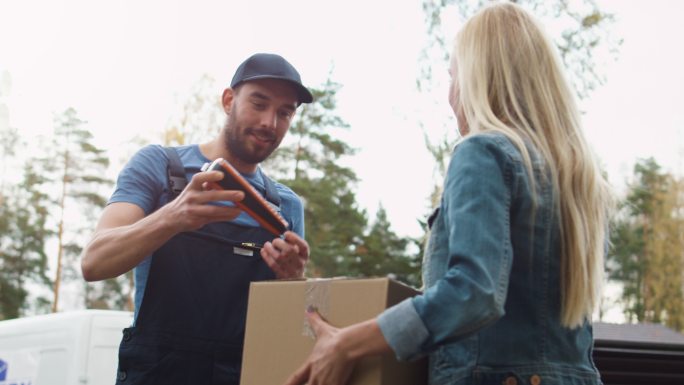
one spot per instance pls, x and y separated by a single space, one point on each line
301 376
319 326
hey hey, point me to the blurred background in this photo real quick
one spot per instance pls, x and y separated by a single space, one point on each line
84 84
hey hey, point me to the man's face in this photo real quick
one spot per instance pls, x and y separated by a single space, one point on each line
259 115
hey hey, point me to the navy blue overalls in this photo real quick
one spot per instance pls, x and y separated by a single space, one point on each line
190 326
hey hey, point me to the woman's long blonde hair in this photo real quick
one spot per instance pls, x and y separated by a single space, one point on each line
511 81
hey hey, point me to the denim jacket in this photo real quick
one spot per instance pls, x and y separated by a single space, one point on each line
490 312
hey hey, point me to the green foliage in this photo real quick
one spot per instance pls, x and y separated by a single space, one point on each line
383 253
334 223
648 247
23 214
111 293
23 234
311 163
75 168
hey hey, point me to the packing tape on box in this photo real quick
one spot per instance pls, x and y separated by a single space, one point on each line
316 295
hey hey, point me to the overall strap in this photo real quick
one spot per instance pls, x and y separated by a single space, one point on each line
175 172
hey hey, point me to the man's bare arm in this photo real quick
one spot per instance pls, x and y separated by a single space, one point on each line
124 236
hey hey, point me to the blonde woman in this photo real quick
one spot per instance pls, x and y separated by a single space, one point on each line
515 255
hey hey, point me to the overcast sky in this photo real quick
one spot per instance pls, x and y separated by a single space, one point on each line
126 67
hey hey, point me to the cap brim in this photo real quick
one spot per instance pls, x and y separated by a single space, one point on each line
303 94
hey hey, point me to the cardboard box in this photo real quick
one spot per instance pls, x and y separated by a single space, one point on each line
278 339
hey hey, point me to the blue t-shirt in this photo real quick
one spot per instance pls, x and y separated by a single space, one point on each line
144 182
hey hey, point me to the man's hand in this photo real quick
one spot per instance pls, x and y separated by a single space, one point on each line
286 257
122 222
191 210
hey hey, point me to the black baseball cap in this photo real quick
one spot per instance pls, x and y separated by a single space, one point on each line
270 66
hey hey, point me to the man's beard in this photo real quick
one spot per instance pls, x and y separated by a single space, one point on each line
235 140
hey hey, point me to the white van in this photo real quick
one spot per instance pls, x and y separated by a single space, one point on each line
70 348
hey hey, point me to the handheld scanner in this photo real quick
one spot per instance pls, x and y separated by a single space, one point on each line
254 204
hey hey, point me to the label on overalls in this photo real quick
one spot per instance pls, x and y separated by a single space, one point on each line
241 251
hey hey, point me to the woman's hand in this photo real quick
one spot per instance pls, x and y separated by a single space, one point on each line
336 352
329 363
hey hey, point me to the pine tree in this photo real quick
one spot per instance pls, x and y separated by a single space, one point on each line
23 234
310 164
310 161
648 247
382 253
76 168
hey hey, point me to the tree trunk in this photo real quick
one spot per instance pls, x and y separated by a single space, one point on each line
60 232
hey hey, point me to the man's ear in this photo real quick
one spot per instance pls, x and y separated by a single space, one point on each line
227 99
